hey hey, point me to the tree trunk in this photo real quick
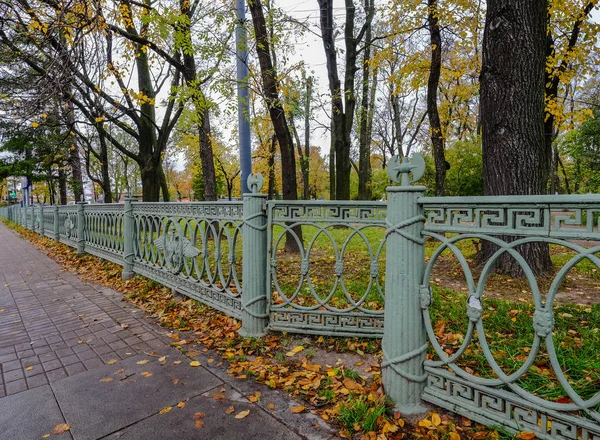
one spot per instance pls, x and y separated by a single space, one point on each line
364 155
435 126
305 163
277 114
515 159
271 164
62 186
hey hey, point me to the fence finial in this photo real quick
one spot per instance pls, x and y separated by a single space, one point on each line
416 166
255 182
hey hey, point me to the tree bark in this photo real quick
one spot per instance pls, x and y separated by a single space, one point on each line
435 126
515 159
277 114
364 155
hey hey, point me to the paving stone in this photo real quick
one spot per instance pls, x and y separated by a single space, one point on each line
30 415
130 400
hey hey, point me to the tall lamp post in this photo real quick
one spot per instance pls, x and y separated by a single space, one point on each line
242 90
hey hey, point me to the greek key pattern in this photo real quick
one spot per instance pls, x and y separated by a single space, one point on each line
204 210
338 212
517 216
232 305
496 407
324 323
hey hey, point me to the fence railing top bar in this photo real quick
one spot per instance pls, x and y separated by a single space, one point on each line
326 203
564 199
213 203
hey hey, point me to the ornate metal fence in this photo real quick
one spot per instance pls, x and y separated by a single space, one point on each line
104 235
194 248
327 267
333 282
511 227
67 224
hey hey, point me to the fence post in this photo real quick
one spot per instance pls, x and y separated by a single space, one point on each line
80 229
41 222
255 317
56 225
128 238
404 338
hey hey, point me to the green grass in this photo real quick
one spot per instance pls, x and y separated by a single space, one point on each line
509 333
357 412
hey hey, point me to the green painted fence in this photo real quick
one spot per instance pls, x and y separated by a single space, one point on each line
360 270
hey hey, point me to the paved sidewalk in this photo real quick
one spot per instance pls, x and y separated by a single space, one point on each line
72 352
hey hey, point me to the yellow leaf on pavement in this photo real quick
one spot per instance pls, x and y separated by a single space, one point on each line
297 409
106 379
194 364
112 361
29 368
294 351
142 362
146 374
230 410
199 423
165 410
242 414
60 428
181 405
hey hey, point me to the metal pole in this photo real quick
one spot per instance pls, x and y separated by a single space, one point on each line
243 99
254 271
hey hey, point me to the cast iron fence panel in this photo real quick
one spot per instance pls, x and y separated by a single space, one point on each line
67 224
194 248
509 223
29 218
104 233
312 292
48 221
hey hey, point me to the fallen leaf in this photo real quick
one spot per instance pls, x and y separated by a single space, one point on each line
295 350
435 419
194 364
181 405
162 359
242 414
254 397
112 362
454 436
175 381
60 428
120 371
425 423
46 436
142 362
271 406
199 423
165 410
199 415
218 396
230 410
106 379
525 435
146 374
29 368
297 409
124 326
177 362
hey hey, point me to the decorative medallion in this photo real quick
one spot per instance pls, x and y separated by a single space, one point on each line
69 227
175 247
